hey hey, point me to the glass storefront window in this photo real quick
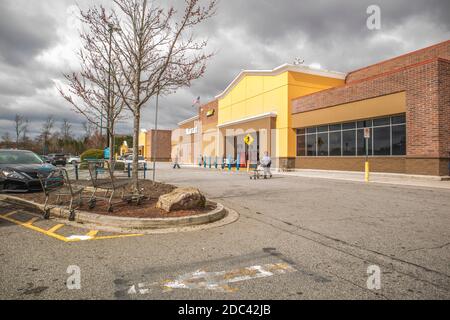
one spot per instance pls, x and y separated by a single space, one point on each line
311 150
301 146
349 125
322 144
361 141
381 122
335 143
336 127
349 143
388 137
382 141
399 140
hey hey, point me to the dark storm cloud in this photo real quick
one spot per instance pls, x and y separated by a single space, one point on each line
23 33
245 34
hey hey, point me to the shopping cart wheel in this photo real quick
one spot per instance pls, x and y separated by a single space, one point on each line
92 204
47 214
72 215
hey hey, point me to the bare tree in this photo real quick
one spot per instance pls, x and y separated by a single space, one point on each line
157 54
88 128
66 130
6 140
46 133
21 128
92 91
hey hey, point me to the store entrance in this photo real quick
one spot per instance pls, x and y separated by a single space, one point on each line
242 153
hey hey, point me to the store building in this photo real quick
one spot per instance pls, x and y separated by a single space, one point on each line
315 119
257 103
405 101
162 148
186 140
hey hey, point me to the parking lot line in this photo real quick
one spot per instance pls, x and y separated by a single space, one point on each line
34 228
10 213
55 228
33 220
91 235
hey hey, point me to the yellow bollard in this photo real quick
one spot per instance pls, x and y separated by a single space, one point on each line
367 176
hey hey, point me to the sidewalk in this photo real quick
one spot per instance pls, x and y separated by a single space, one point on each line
375 177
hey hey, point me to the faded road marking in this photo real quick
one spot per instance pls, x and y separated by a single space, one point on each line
215 281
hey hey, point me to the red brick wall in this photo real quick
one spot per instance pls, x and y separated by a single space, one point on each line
444 104
212 120
164 145
441 50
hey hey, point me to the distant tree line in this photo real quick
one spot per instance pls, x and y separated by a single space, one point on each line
51 139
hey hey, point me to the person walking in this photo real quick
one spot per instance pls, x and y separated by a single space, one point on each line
176 165
266 163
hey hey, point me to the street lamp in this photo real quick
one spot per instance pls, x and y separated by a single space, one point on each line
154 136
111 29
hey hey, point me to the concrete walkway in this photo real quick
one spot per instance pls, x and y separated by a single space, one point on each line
385 178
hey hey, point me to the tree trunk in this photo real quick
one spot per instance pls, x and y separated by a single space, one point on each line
135 174
111 147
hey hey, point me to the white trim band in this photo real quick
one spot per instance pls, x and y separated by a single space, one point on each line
252 118
188 120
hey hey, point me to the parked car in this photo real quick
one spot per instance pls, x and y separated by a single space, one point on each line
19 171
57 159
46 159
73 160
129 160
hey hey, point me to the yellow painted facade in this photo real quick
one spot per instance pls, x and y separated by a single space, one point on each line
256 93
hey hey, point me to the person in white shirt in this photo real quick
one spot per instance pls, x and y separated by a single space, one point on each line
266 163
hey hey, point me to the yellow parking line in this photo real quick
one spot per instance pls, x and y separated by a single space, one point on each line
33 220
51 233
10 213
30 226
92 233
55 228
118 236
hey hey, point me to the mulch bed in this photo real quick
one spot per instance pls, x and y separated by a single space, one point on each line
147 209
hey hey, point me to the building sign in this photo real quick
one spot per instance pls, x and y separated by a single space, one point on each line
210 113
190 131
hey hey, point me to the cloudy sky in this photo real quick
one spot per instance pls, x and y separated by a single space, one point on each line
38 40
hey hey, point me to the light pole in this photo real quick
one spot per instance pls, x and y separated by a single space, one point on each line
110 145
154 138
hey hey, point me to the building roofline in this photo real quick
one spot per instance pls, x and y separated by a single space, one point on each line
279 70
188 120
400 56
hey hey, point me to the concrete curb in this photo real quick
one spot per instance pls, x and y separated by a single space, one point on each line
84 217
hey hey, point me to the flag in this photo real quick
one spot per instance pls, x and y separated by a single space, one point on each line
196 102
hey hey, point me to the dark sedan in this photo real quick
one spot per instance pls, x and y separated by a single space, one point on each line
19 171
57 159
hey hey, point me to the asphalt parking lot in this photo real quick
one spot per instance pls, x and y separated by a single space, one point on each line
297 238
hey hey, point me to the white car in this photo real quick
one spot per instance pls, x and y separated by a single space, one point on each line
129 160
73 160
